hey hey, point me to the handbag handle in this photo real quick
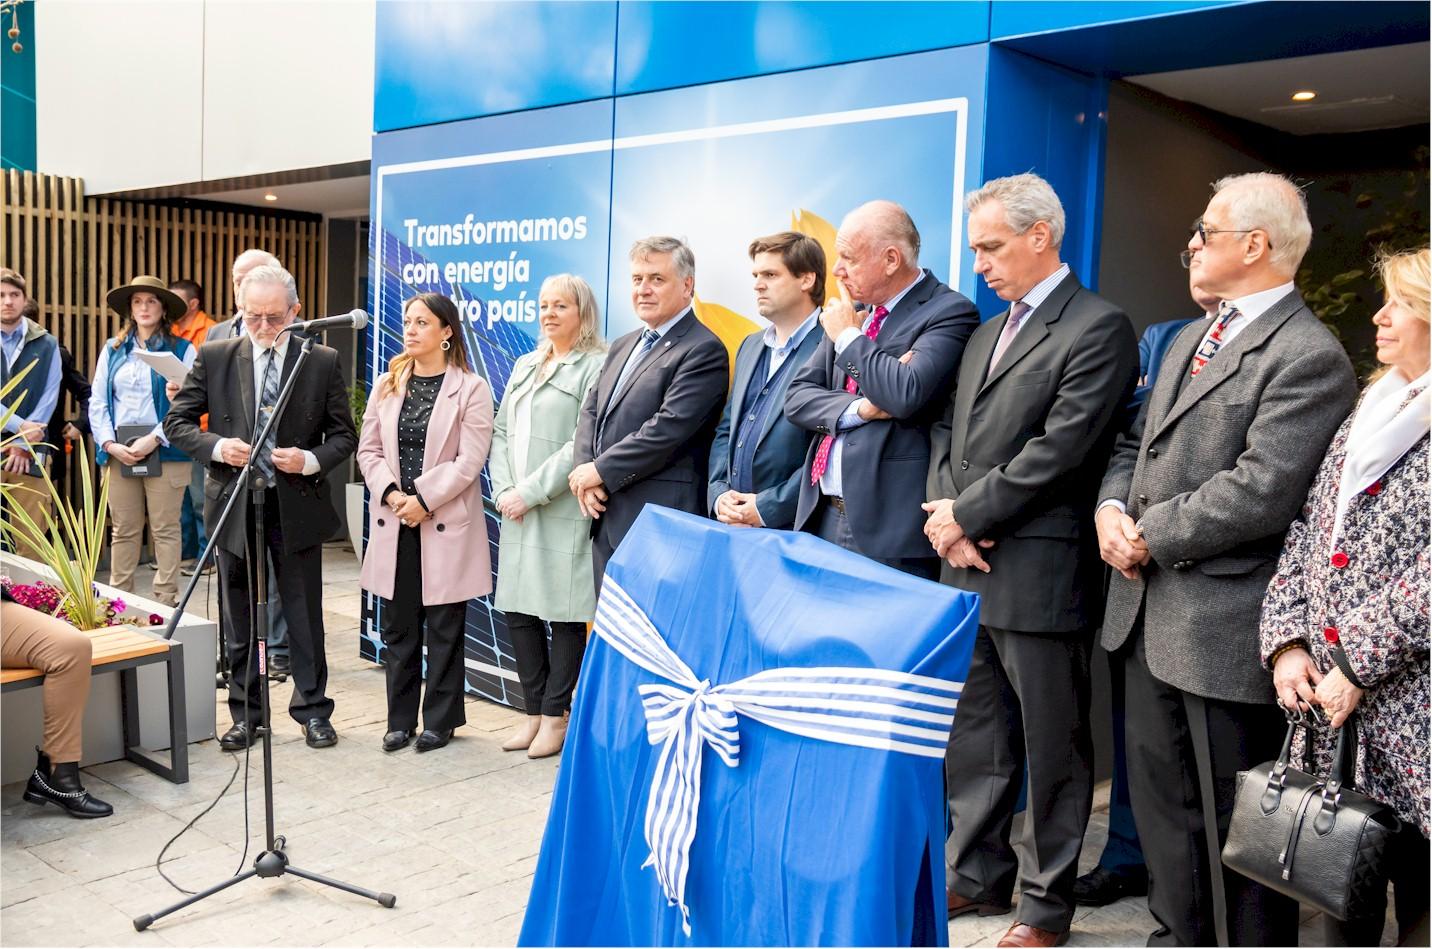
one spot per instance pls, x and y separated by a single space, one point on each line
1340 775
1278 775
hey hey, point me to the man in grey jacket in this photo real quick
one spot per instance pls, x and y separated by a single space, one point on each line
1197 498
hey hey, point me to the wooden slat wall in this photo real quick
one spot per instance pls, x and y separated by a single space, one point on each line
72 250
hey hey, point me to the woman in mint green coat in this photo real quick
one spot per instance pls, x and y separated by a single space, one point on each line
544 560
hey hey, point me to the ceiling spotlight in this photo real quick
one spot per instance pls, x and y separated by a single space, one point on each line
1305 95
270 197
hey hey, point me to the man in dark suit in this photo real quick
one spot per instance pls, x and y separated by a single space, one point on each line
873 389
236 380
758 456
645 431
1014 475
1199 494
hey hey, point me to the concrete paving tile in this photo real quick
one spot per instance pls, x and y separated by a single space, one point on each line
27 877
116 848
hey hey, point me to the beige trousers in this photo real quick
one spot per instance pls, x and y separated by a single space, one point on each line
31 639
35 500
163 498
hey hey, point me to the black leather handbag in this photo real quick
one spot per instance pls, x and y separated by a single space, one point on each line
1314 839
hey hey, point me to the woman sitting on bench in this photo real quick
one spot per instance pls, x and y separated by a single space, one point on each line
32 639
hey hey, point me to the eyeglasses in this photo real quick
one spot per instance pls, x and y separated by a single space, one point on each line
1185 256
265 320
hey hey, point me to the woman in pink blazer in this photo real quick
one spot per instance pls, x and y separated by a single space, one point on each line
424 441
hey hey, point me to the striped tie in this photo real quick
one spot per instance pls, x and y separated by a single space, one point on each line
263 461
822 454
1213 342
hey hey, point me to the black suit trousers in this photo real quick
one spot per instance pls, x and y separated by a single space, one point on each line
408 624
300 588
1178 745
1025 705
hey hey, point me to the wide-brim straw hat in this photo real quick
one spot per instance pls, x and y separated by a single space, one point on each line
174 305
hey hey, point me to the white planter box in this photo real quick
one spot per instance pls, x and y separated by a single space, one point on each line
103 736
353 507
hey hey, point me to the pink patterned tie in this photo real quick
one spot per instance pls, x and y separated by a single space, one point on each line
822 454
1017 313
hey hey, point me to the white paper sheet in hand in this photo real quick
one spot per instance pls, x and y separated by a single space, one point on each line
166 364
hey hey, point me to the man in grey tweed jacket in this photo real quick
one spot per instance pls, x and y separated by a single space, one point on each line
1198 496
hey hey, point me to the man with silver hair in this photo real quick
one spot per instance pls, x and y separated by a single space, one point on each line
278 657
237 382
644 434
1198 496
1014 474
874 387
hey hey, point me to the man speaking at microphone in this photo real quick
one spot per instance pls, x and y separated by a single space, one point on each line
238 381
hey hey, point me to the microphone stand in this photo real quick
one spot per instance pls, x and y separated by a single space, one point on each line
273 861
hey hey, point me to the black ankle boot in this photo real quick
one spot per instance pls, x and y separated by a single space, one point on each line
61 785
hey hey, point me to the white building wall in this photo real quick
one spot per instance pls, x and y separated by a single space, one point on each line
146 93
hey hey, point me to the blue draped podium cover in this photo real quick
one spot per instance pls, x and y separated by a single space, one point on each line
820 687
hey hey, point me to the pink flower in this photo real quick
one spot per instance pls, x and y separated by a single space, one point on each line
155 619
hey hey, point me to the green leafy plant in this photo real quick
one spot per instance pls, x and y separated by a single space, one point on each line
358 401
70 541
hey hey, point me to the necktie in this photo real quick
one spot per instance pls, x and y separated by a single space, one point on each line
267 401
1017 313
822 454
648 340
1213 342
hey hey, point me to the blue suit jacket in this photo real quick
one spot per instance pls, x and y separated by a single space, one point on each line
1152 345
781 451
884 462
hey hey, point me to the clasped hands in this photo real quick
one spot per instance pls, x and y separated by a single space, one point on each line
738 509
1300 685
837 316
950 540
133 454
1121 542
17 455
408 508
586 484
235 452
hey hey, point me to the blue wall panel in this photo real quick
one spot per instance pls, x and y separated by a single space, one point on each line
442 61
1050 121
671 43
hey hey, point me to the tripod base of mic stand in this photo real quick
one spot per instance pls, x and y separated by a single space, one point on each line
270 863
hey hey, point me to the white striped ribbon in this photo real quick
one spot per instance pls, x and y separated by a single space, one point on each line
867 708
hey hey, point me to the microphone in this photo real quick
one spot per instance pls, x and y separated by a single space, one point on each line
354 319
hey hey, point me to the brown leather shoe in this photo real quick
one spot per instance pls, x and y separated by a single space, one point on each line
959 906
1023 934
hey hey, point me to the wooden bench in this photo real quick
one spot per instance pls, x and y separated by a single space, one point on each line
124 649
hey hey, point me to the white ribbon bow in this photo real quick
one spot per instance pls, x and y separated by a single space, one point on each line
868 708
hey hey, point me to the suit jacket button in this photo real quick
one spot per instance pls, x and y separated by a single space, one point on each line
1183 565
1339 560
1153 452
1330 633
441 528
380 522
1375 488
964 466
1143 499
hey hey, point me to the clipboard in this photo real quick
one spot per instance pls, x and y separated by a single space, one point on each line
150 466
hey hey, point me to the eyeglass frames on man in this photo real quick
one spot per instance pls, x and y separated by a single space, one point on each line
265 320
1185 256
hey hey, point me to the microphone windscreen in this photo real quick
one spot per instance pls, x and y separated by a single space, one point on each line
360 319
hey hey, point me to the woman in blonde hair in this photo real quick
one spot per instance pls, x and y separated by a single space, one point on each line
544 572
424 441
1345 625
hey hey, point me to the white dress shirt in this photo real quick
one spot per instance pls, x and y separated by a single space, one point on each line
831 482
280 354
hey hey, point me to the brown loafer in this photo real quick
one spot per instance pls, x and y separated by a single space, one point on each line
959 906
1023 934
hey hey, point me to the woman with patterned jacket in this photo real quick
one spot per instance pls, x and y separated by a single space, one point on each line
1345 619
